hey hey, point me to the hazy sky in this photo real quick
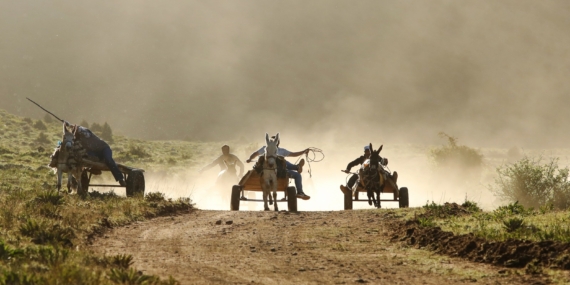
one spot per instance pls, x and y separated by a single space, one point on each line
493 73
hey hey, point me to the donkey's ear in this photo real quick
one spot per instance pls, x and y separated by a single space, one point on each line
370 146
65 131
266 139
380 148
277 137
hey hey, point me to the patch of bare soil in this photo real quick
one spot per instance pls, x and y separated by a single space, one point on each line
342 247
510 253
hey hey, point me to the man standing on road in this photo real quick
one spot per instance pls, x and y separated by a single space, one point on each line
225 160
293 170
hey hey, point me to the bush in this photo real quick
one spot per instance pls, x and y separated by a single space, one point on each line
454 155
534 184
138 151
42 138
48 119
40 126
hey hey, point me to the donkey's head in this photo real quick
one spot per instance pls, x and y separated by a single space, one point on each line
66 139
271 150
375 157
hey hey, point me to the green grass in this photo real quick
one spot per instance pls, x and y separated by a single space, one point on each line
512 221
43 234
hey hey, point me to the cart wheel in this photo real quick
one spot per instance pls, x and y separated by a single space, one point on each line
404 198
291 199
84 183
348 201
135 183
234 203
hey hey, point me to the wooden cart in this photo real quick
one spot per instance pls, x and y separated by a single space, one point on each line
403 198
251 182
134 177
401 195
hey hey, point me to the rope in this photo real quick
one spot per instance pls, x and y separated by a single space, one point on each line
314 152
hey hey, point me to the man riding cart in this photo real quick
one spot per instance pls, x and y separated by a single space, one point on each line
293 170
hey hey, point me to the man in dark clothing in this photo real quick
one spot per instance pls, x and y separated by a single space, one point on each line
354 177
98 148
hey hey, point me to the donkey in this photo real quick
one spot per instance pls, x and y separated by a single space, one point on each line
371 176
66 162
268 178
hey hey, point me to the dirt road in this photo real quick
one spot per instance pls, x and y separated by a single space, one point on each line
341 247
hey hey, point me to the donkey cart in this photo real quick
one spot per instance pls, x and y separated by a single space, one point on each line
251 182
400 196
134 177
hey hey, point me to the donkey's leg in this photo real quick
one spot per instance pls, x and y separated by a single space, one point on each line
59 177
275 197
370 195
378 199
78 178
265 194
69 177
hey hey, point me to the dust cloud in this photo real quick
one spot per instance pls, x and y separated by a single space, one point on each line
330 74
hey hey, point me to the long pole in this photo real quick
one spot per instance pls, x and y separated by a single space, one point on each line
45 109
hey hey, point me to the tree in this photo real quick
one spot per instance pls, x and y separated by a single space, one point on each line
107 133
96 128
84 124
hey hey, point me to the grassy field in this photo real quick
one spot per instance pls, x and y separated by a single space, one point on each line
43 234
512 221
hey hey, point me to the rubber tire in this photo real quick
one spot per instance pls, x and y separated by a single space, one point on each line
84 183
135 183
348 201
234 203
404 198
292 199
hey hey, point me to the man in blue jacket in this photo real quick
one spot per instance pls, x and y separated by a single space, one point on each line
98 148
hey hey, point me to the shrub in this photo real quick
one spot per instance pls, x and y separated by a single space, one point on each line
48 119
534 184
137 150
456 155
42 233
511 209
51 197
131 276
40 125
459 158
472 207
42 138
154 197
513 224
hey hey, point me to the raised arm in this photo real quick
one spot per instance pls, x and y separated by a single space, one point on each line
354 163
216 161
252 156
298 153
